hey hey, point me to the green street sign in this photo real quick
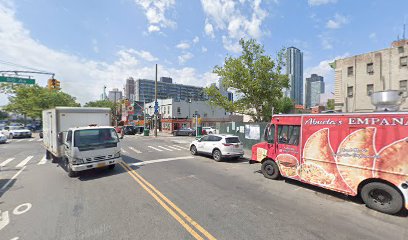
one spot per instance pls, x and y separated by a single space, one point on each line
17 80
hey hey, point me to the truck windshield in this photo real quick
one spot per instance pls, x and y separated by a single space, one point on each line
95 137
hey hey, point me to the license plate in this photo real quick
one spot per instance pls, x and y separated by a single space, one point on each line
100 165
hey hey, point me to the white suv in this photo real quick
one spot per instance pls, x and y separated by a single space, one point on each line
218 146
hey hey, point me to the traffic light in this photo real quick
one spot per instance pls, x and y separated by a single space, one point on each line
54 84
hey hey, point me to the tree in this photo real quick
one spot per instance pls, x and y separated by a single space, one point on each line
330 104
30 100
256 79
105 104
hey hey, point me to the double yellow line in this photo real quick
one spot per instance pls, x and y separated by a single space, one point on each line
170 207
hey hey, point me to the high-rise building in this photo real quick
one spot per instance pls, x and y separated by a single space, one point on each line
145 90
294 70
357 77
314 87
224 91
130 89
115 95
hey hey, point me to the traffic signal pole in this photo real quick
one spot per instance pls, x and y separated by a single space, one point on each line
155 102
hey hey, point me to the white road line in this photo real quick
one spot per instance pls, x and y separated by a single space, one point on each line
160 160
20 140
123 150
39 140
155 148
168 149
181 147
174 148
32 139
6 162
12 178
24 162
134 150
43 160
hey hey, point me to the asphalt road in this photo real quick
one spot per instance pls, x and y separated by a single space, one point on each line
162 192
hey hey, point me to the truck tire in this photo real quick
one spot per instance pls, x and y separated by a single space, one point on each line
71 173
112 166
382 197
270 170
47 155
54 159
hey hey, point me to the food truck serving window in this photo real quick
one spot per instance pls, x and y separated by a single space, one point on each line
289 134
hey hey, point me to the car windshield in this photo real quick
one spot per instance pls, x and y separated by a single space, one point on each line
232 140
95 137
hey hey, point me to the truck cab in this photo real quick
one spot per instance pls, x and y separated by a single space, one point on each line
90 147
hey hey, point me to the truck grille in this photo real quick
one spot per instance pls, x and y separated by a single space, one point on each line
99 158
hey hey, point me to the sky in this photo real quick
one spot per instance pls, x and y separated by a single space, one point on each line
91 44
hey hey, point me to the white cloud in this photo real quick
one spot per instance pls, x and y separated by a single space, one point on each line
185 57
82 78
320 2
230 45
153 28
204 49
337 22
146 56
196 39
183 45
155 11
209 30
228 16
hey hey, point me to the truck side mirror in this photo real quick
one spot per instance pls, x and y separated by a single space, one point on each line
60 138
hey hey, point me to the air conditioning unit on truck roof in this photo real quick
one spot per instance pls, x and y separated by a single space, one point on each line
80 137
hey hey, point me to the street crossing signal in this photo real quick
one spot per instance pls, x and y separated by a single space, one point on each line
54 84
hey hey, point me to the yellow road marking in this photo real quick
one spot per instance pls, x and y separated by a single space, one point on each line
133 174
181 212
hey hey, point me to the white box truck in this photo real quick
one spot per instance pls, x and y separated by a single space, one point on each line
80 137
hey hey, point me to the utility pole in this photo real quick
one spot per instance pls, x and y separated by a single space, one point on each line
155 104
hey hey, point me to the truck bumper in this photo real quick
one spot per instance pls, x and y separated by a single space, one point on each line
86 166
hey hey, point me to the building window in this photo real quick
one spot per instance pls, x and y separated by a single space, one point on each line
350 71
403 61
178 110
349 91
370 68
370 89
401 49
403 86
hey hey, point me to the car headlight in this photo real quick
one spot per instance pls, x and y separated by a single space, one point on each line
116 155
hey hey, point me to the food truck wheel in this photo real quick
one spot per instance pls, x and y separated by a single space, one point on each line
270 169
382 197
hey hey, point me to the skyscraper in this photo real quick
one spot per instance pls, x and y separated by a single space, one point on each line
314 87
294 70
115 95
130 89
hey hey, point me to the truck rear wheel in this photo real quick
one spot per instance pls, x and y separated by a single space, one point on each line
382 197
270 169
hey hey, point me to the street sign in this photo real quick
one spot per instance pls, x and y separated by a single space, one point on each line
17 80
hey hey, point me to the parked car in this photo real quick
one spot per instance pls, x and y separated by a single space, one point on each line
129 130
218 146
16 132
184 132
209 130
139 129
3 138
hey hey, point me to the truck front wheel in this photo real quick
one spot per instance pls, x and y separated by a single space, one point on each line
382 197
71 173
270 169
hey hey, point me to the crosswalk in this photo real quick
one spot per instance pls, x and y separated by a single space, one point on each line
159 148
20 163
25 140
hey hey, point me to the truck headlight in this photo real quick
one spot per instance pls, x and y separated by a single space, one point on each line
116 155
77 160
